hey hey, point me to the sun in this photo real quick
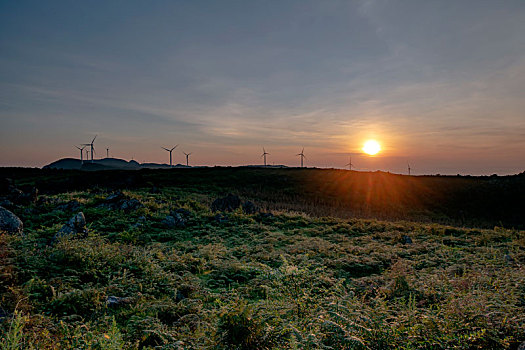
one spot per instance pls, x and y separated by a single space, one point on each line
371 147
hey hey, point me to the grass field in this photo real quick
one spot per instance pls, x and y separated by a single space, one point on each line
316 268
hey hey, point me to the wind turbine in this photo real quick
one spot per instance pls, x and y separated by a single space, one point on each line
187 156
264 155
302 156
169 150
408 165
107 152
349 165
81 153
91 146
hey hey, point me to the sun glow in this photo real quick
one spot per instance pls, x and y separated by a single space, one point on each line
371 147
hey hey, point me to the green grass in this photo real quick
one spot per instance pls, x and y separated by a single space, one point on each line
291 281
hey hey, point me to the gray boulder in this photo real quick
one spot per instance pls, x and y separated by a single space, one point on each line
174 220
73 205
9 222
229 203
406 239
119 201
181 211
76 225
130 205
249 208
115 197
114 301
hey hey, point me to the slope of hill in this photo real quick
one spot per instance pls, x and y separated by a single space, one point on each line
461 200
65 163
153 267
102 164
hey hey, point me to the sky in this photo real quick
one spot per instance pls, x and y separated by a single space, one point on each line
440 84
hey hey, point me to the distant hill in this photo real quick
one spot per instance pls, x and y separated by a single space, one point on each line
65 163
106 164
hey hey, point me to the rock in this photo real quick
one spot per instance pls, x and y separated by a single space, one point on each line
169 221
113 301
130 205
174 220
119 201
249 208
140 222
73 205
115 197
181 211
229 203
75 225
406 239
9 222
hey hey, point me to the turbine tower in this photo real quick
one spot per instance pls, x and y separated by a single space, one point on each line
169 150
302 156
349 165
81 154
107 152
408 166
264 156
91 146
187 158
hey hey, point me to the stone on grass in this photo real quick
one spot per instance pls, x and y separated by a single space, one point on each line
73 205
249 208
229 203
119 201
113 301
130 205
75 225
174 220
181 211
9 222
406 239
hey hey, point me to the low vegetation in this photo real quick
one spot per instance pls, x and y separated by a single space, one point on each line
276 279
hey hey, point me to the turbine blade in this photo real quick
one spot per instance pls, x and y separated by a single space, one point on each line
94 138
165 149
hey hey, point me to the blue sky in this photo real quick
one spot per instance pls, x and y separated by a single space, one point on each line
438 83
